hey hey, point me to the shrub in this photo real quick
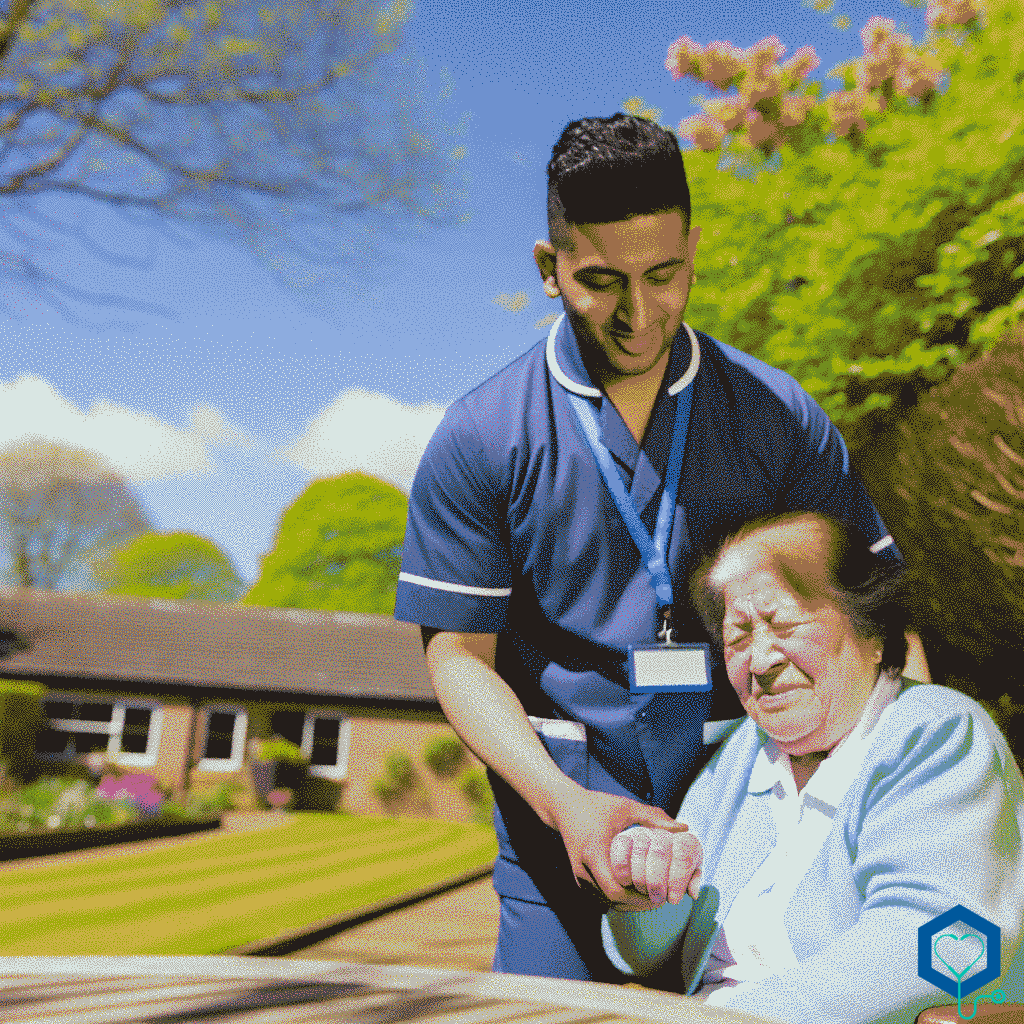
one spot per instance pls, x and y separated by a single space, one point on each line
445 755
476 789
399 779
283 752
21 719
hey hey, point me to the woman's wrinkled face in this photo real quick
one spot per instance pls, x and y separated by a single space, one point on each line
796 664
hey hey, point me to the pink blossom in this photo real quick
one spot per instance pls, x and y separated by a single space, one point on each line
761 132
766 52
720 64
846 109
941 13
876 32
918 75
763 84
801 64
729 111
704 131
682 55
795 108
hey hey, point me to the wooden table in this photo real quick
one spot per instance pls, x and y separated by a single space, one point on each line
268 990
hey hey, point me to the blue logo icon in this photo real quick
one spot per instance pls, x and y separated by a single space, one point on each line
959 952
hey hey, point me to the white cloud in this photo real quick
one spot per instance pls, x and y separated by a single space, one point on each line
140 446
368 431
208 422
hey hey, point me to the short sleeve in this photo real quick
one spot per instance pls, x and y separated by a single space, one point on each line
821 478
455 571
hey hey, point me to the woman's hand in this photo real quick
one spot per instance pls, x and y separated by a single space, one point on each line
663 865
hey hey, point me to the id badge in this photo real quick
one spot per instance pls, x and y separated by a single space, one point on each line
669 668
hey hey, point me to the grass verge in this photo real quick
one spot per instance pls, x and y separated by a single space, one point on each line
222 890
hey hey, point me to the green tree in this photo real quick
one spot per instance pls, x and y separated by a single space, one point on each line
178 566
274 124
870 265
59 506
338 548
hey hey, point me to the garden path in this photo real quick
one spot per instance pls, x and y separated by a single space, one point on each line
455 931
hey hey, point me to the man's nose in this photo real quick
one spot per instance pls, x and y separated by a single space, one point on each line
635 308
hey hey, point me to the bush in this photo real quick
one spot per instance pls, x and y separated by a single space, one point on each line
283 751
445 755
476 789
21 719
399 779
53 803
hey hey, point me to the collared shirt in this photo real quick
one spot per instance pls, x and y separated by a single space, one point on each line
753 942
512 531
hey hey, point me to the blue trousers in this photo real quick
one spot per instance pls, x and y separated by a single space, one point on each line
536 939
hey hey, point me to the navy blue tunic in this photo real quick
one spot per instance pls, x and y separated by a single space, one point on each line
512 531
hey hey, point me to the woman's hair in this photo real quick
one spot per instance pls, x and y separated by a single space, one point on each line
820 558
605 169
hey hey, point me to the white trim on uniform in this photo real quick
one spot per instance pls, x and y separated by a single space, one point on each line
879 545
691 370
590 392
559 728
455 588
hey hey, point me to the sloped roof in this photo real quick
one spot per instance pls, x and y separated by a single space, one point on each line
337 654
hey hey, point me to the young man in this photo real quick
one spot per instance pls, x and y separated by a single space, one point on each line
524 567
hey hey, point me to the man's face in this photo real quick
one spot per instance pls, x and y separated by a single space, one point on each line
625 286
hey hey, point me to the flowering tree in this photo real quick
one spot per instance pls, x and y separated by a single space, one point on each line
774 103
885 247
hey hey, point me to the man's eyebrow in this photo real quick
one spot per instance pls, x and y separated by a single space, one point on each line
675 261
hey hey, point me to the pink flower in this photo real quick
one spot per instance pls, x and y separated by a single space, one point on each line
763 84
704 131
720 64
761 132
795 108
918 75
681 58
846 109
941 13
729 111
764 53
801 64
876 32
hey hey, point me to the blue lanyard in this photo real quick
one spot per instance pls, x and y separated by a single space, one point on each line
652 550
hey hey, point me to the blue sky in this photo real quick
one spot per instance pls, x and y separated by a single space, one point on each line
222 412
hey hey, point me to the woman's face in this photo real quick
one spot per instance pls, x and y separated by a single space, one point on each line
797 666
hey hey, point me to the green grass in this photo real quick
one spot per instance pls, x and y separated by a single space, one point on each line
222 891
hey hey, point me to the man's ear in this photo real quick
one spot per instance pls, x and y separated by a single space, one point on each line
544 256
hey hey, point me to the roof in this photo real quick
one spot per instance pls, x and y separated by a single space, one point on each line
206 644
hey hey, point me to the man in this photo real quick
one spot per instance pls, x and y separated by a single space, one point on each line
524 567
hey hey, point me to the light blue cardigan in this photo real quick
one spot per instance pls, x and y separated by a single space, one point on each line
933 819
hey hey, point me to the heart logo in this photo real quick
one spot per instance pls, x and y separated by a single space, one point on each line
959 949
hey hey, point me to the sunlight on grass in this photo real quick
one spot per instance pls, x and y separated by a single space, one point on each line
222 891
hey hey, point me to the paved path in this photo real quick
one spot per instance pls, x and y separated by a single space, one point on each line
456 931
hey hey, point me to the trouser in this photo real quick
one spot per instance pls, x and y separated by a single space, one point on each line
536 939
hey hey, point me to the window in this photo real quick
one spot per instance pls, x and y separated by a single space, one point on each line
127 731
224 741
322 735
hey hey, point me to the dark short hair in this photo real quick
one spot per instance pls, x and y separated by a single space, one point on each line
820 557
604 169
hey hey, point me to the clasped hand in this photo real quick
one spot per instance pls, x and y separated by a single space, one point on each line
660 864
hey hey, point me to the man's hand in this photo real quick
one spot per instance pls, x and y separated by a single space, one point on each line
662 864
588 821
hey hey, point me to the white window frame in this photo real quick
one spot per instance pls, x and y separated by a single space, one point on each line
111 729
234 762
337 771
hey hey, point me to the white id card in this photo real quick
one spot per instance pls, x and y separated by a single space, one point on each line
669 668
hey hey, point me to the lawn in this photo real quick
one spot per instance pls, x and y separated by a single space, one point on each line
214 893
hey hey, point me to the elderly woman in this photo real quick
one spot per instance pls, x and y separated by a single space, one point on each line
846 810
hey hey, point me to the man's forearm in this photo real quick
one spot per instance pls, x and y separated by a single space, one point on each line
491 721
